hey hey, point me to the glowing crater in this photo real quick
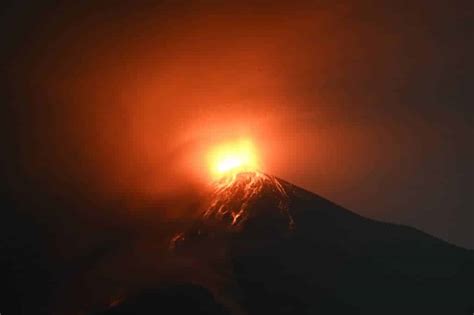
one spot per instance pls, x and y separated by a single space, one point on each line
231 158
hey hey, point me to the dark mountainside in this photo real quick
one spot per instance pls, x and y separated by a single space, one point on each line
290 251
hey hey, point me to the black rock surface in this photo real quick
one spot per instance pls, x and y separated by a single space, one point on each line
297 253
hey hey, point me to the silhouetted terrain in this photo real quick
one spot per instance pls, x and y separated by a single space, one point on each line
316 258
263 246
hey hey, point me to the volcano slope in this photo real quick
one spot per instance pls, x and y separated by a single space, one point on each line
279 249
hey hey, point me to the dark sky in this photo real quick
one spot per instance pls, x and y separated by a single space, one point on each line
367 103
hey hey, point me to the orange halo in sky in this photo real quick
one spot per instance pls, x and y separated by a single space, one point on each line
232 157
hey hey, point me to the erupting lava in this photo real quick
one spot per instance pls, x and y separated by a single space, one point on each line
238 184
239 192
238 198
232 158
234 195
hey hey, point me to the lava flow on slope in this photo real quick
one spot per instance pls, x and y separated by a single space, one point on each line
233 196
261 245
237 198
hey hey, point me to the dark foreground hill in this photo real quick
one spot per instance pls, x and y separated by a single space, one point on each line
264 246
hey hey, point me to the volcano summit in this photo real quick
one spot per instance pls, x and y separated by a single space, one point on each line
275 248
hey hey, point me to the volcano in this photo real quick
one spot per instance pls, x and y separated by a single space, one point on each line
264 246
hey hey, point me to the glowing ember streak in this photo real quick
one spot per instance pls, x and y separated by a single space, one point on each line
235 199
240 192
232 158
234 194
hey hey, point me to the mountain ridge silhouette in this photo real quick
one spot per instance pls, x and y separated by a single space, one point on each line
322 258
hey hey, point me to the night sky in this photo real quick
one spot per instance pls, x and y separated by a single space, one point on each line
108 107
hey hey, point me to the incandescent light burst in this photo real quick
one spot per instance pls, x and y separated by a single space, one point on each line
239 193
231 158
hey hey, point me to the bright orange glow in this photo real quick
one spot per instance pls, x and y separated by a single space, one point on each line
233 157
